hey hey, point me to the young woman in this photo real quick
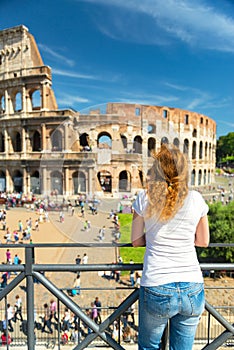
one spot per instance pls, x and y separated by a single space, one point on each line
170 221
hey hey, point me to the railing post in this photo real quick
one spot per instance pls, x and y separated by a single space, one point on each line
29 261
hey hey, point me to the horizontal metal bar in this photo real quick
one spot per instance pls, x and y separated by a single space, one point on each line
91 244
87 267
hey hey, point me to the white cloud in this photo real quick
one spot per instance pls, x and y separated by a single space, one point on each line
71 74
58 57
199 24
70 100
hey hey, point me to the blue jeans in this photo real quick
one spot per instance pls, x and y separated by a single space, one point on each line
180 303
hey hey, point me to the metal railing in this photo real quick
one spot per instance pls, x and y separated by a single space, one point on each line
31 271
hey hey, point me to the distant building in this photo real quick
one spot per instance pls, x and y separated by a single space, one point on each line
44 149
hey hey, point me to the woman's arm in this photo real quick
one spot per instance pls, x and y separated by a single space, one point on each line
138 234
202 235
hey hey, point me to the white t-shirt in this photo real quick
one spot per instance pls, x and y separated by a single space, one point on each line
170 254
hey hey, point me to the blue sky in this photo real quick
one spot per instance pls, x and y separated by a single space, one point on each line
176 53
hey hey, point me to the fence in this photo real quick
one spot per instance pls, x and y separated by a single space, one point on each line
217 325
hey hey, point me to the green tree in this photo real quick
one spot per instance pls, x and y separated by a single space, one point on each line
221 225
225 146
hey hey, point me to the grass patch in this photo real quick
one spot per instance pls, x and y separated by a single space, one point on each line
128 253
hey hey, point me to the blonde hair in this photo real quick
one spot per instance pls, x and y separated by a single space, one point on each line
167 185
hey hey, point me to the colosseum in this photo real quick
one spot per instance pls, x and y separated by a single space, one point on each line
45 149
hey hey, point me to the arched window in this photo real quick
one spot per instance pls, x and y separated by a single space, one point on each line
124 141
141 178
151 129
206 149
56 182
193 177
194 150
84 142
35 183
199 177
204 177
18 102
104 140
2 181
200 150
124 181
79 182
18 143
209 177
36 99
164 140
151 145
176 142
2 143
194 132
2 104
186 146
56 141
105 180
36 144
18 181
137 144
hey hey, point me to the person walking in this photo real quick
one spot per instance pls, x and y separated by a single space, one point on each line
46 319
170 220
18 308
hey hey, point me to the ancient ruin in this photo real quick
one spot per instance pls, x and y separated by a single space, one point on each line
44 149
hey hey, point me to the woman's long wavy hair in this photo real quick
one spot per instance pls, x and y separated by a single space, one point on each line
167 185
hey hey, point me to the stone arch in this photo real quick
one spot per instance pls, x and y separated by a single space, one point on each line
17 142
200 150
79 182
176 142
194 133
2 104
56 182
151 145
194 150
164 140
105 180
124 181
199 177
151 129
104 140
2 181
36 99
193 177
206 149
17 181
18 102
36 142
137 144
35 182
186 146
2 143
141 176
209 176
204 177
56 140
84 142
124 141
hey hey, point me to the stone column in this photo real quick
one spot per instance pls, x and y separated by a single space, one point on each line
66 181
43 96
44 181
90 180
43 137
6 142
24 135
24 101
6 102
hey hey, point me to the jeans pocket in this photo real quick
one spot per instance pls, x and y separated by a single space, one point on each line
157 303
197 301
